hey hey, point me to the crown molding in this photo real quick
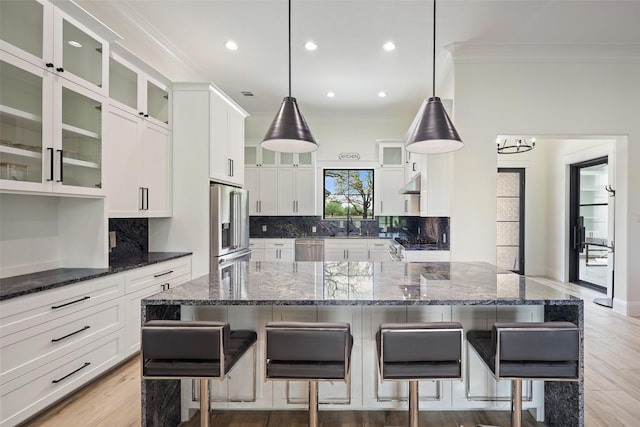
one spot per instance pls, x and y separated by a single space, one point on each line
472 52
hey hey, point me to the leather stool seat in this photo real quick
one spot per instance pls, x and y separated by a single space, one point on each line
546 351
308 351
419 351
173 349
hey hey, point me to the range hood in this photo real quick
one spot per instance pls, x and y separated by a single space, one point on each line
412 187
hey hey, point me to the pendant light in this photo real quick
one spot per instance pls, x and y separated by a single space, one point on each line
289 132
432 130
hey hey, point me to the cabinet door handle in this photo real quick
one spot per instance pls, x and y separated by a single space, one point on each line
50 150
141 113
413 166
406 206
69 303
146 115
49 65
71 373
72 333
60 70
61 165
166 286
163 274
381 206
294 205
141 198
147 196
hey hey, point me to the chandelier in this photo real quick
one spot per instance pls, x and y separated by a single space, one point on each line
514 145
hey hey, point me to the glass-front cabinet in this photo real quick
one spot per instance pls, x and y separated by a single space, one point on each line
50 132
46 36
256 156
296 159
136 91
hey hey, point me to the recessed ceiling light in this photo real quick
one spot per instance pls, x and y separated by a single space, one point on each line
231 45
331 94
74 43
382 94
389 46
310 45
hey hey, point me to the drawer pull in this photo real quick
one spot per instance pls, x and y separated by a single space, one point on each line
163 274
69 303
72 333
71 373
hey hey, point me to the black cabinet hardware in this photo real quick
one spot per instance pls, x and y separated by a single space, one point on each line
50 150
69 303
60 70
49 65
146 115
72 333
141 113
163 274
71 373
166 286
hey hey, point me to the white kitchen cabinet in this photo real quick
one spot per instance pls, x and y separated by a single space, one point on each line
434 192
296 160
226 153
138 180
256 156
143 282
55 341
51 132
257 249
378 249
56 38
388 199
262 184
346 249
426 256
414 164
279 250
391 154
137 88
296 191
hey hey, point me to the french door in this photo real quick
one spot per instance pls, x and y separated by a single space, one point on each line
510 219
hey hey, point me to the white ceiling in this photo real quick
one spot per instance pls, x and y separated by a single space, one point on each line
184 40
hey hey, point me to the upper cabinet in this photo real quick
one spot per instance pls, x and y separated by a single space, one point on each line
51 134
138 89
296 160
391 154
434 193
256 156
53 37
226 152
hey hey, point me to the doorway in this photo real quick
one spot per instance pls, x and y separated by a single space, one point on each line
510 219
590 250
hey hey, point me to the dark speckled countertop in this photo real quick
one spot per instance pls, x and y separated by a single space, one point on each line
15 286
363 283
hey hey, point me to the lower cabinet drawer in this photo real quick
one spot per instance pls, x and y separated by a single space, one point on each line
157 274
22 353
32 392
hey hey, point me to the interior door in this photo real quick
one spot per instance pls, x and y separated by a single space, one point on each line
591 246
510 219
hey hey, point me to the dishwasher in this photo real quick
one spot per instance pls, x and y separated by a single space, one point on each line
309 250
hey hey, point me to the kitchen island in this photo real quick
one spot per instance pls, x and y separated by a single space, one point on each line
365 294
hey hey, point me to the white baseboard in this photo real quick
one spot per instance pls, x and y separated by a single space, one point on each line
630 308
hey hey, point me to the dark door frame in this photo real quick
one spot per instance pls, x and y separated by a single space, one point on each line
521 173
574 214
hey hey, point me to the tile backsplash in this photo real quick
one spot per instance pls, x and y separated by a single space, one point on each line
381 226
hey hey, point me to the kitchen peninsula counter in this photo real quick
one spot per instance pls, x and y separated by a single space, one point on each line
364 288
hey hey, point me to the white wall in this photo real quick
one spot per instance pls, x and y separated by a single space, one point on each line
555 99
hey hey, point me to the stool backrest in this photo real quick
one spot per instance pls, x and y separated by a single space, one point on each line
418 342
184 340
308 342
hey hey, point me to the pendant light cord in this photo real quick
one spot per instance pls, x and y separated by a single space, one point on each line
289 48
434 48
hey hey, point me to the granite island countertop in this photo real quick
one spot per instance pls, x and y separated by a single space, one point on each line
24 284
362 283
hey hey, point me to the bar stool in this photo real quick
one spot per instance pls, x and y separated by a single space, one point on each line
308 351
419 351
544 351
174 349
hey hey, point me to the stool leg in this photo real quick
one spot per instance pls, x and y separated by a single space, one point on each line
313 403
414 410
204 402
516 403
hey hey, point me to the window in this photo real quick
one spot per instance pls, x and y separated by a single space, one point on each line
348 193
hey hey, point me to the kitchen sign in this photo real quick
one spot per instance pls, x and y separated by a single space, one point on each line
349 156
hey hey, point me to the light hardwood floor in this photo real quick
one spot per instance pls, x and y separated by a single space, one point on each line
612 388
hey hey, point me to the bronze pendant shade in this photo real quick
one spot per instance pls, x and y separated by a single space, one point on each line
432 130
289 132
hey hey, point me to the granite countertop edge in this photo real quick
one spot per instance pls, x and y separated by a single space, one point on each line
150 301
12 287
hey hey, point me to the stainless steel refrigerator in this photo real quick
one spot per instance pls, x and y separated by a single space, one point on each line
229 207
